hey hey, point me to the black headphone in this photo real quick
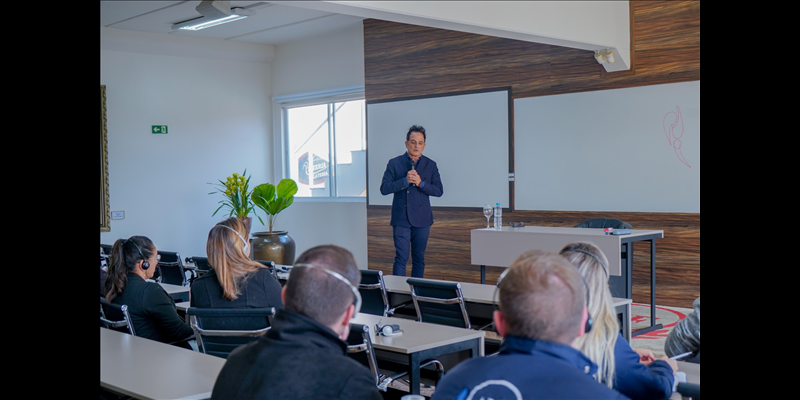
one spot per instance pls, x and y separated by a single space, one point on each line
145 263
589 321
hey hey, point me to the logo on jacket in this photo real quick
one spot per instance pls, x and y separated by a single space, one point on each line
495 389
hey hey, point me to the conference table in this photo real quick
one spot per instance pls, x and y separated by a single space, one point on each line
421 341
476 294
148 369
500 247
177 292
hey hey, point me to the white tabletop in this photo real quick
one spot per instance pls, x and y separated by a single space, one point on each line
417 336
147 369
172 289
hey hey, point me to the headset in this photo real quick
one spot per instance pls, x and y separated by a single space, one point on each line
145 263
589 321
388 329
341 278
590 255
245 246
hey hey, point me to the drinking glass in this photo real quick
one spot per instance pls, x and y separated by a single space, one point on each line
487 212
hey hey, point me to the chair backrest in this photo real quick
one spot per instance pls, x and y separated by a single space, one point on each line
604 223
115 316
359 348
373 293
271 266
220 330
439 302
200 262
170 269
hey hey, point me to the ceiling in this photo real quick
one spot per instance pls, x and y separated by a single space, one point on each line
272 24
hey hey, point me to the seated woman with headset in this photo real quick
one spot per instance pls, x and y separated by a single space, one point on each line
235 281
634 373
152 310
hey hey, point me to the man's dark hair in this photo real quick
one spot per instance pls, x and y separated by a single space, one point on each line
416 128
316 294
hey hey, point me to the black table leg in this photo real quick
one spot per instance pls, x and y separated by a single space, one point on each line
413 375
653 326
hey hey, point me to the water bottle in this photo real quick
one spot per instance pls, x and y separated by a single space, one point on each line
498 216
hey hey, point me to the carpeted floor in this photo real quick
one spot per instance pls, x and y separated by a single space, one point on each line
654 340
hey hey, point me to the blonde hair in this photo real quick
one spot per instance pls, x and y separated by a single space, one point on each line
599 343
225 250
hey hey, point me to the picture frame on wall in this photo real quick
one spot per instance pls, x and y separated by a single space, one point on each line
105 213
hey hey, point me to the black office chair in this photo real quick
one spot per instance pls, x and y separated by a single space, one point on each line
201 266
115 316
604 223
221 330
443 303
359 348
689 390
170 269
106 248
439 302
272 269
373 293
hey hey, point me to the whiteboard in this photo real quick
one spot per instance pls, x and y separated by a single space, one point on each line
633 149
467 136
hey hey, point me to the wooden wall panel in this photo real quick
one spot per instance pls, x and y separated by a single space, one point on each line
406 60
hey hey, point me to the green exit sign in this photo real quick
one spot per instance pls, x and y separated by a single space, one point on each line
159 129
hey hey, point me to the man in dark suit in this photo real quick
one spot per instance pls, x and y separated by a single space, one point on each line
413 178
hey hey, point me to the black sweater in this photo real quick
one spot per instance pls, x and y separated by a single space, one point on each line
152 310
297 359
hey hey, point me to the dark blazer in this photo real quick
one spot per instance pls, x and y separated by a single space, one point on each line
258 290
152 310
411 205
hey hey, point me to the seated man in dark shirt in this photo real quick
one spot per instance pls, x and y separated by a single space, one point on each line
542 310
304 355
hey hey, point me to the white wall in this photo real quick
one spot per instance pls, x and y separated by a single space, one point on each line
218 108
330 62
218 116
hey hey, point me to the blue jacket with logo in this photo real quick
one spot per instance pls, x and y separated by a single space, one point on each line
525 369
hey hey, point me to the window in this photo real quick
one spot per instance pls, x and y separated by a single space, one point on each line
325 147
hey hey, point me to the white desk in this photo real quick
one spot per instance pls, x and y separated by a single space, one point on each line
501 247
422 341
147 369
177 292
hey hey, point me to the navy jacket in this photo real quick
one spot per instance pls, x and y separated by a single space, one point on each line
526 369
411 205
639 381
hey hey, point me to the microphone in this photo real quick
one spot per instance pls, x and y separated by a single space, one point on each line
413 167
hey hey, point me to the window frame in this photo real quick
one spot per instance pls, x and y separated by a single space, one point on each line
281 162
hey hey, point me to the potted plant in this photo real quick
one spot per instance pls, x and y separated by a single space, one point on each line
238 197
275 246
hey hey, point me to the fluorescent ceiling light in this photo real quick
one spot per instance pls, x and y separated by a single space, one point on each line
214 13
